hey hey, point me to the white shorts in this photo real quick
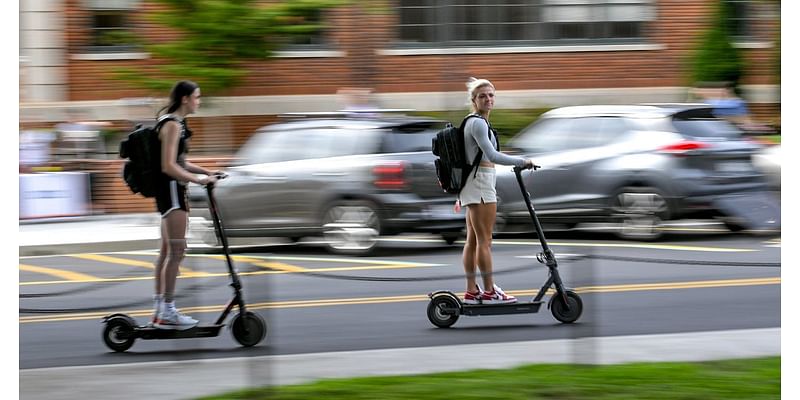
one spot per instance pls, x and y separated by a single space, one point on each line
479 187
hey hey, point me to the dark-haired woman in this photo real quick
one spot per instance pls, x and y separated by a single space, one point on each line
171 200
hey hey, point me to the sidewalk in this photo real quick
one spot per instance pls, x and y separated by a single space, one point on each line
196 378
118 232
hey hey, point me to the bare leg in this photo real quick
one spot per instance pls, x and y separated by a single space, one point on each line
176 222
483 217
162 257
468 256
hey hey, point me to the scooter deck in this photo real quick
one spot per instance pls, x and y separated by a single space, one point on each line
498 309
200 331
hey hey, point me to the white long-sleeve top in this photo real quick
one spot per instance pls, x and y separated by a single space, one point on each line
476 136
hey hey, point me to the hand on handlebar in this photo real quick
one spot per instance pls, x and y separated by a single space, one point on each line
528 165
208 180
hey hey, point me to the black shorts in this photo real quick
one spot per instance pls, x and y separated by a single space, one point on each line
171 195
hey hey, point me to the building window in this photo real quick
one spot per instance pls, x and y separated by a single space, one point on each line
741 18
111 28
523 22
311 37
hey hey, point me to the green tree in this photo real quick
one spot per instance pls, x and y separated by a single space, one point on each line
216 37
716 59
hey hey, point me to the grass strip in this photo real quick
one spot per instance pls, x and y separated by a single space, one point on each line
757 378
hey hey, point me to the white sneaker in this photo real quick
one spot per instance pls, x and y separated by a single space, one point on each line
171 318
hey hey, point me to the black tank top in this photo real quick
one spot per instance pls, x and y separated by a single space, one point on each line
183 144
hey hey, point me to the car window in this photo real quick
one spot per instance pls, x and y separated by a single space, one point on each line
706 128
340 142
270 146
398 142
288 145
546 135
611 129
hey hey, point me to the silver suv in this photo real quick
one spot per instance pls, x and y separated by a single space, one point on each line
631 167
347 179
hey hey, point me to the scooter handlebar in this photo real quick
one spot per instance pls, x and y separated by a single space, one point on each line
219 175
532 166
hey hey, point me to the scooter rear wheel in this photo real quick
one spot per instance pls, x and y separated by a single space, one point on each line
248 329
118 334
437 314
561 313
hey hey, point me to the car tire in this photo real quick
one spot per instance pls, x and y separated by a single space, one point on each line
640 212
451 237
351 227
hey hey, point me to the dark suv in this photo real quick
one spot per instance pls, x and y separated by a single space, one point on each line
348 179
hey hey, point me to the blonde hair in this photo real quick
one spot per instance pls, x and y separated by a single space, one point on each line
473 84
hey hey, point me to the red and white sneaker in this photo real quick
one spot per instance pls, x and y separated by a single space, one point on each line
473 298
497 296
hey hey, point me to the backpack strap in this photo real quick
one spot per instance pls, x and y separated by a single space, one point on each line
480 152
163 120
478 156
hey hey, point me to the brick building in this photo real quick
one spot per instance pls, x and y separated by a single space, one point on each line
411 53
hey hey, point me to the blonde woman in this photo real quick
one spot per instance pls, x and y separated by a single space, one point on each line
479 195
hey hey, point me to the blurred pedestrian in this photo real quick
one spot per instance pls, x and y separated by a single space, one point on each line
171 201
479 194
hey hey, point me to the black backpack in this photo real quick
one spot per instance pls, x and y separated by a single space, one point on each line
142 148
452 167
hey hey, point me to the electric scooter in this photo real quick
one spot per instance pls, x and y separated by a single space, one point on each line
247 327
566 306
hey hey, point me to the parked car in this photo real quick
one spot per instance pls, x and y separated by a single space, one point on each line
632 167
348 179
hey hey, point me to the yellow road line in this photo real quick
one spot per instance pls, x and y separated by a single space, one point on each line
273 265
273 268
409 298
126 261
654 246
69 276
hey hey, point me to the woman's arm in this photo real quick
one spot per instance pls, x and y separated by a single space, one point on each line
479 130
192 167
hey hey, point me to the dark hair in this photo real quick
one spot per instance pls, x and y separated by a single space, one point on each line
181 89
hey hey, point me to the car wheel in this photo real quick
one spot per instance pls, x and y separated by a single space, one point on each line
351 227
450 237
640 212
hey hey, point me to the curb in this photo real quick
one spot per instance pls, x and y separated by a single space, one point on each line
97 247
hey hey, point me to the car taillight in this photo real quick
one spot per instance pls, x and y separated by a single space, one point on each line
683 147
390 175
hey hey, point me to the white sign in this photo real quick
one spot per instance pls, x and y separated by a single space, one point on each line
56 194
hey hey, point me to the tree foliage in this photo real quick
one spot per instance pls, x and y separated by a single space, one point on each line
216 37
716 59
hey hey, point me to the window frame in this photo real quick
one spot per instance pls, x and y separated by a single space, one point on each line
440 25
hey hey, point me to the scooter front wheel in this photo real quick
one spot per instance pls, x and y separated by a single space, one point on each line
118 334
248 328
560 311
443 311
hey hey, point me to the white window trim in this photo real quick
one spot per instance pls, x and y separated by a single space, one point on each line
519 49
753 45
309 54
109 56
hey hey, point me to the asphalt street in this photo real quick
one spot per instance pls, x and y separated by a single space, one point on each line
315 302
